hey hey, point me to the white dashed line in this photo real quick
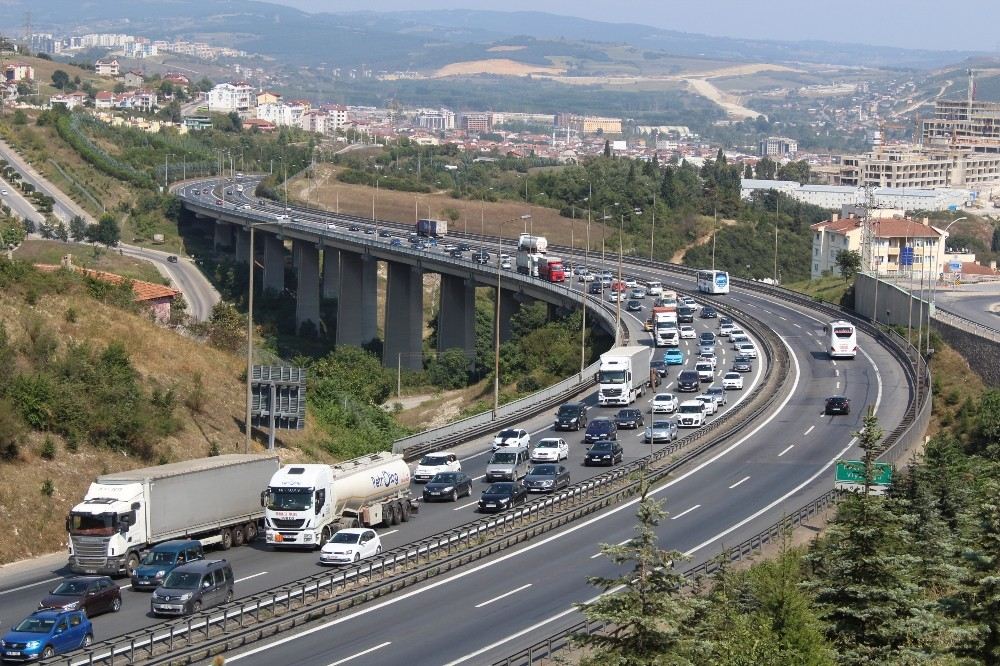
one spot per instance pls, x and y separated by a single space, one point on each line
790 447
739 482
360 654
505 594
808 431
465 506
685 512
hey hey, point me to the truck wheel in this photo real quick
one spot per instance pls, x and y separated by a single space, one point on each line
250 532
131 564
324 536
405 516
397 513
227 538
238 537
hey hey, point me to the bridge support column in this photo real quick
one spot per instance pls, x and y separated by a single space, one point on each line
404 317
223 235
357 301
307 295
331 272
457 315
274 264
508 306
242 245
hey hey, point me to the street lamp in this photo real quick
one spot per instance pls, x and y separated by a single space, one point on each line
496 321
944 234
166 169
249 436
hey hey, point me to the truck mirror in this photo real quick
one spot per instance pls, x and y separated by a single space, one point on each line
136 506
67 523
263 498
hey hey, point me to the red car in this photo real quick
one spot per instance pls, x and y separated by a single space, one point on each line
91 594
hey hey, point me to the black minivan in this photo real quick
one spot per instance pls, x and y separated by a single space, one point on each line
192 587
688 381
571 416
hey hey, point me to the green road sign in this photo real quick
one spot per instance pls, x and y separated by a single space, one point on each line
851 476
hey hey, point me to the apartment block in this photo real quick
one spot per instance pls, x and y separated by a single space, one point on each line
777 146
240 97
900 246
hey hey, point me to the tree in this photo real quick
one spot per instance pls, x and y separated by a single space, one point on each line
646 603
350 371
797 171
766 168
78 228
607 148
20 117
60 79
226 327
849 263
107 232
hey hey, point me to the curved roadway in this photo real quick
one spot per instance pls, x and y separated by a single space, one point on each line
489 609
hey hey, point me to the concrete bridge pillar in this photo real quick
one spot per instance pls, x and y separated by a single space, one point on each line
307 294
404 317
242 245
357 301
331 272
274 264
457 315
223 235
508 306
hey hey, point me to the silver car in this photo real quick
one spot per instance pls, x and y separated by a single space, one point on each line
661 431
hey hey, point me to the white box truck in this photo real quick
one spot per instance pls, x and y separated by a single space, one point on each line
215 500
304 505
622 375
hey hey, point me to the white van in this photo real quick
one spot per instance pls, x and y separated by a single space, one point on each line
654 288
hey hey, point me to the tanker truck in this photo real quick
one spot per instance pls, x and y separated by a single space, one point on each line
214 500
530 251
304 505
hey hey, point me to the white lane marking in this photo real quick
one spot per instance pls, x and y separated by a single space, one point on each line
790 447
834 363
240 580
29 585
741 481
476 478
797 325
620 543
465 506
782 318
685 512
669 384
838 385
359 654
505 594
836 373
808 431
385 534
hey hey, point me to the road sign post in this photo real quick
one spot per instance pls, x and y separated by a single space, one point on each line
278 399
851 476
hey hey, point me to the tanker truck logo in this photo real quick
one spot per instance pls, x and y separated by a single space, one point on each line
385 480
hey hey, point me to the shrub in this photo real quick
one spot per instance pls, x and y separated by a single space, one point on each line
48 451
48 488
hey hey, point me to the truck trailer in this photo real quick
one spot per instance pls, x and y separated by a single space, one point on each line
215 500
622 375
432 228
305 505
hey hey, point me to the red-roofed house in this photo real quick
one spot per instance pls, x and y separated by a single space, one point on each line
891 236
105 99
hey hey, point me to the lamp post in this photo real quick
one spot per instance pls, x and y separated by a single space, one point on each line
583 292
496 321
249 436
166 169
621 283
944 234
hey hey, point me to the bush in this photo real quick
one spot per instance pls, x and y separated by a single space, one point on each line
71 315
48 451
48 488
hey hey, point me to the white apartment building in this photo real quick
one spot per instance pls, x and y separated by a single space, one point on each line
325 121
777 146
894 241
228 97
441 119
835 197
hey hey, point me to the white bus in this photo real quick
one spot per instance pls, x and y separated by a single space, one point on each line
843 339
713 282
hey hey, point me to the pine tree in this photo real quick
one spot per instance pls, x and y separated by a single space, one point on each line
645 604
982 608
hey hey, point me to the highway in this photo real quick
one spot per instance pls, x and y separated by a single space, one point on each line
18 204
64 208
778 464
978 302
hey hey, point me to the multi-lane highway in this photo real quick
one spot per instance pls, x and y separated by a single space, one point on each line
487 609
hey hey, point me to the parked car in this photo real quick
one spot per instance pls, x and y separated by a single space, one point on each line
661 431
550 449
689 380
434 463
600 428
514 437
663 403
629 417
503 495
604 452
192 587
91 594
837 404
163 559
350 545
447 486
687 332
571 416
46 633
732 381
742 364
546 478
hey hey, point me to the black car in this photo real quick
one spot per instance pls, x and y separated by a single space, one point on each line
708 312
725 320
91 594
838 404
481 257
742 364
464 247
629 418
172 259
688 381
457 253
659 366
369 231
385 234
685 314
546 477
601 428
604 453
448 486
595 288
571 416
502 495
354 227
633 306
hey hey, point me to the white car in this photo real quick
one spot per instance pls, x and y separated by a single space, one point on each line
350 545
512 437
709 358
732 381
688 333
281 217
663 403
4 192
550 449
725 330
691 414
432 463
587 277
710 405
613 297
506 265
705 371
747 349
630 282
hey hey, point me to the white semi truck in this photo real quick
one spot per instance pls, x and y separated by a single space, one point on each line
215 500
622 375
304 505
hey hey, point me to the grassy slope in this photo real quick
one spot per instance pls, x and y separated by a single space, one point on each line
45 68
829 289
51 252
160 355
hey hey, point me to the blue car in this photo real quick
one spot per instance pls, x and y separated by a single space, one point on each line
46 633
673 357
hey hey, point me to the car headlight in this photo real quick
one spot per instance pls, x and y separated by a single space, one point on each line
33 645
160 574
447 489
547 482
186 596
504 500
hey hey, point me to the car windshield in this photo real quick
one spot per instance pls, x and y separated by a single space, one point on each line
665 397
704 366
658 425
155 557
611 377
182 580
732 375
547 444
628 413
36 625
566 410
543 470
499 489
346 537
445 477
71 588
599 426
601 446
289 499
504 457
688 376
101 524
433 461
742 359
691 409
505 434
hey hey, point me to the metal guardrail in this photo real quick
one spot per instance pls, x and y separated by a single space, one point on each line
550 645
967 325
279 608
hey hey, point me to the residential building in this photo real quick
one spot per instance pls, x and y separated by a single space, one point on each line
834 197
15 72
968 125
778 146
133 79
441 119
591 124
197 122
267 97
900 246
70 100
233 97
177 80
477 123
106 67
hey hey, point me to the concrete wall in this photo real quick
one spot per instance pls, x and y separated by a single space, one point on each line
983 355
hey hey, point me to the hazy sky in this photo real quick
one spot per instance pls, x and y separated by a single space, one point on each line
930 24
